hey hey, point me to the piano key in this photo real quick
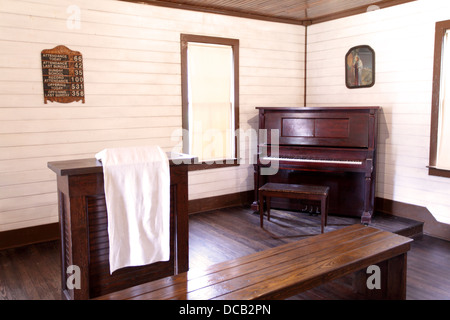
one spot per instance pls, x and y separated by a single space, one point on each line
331 161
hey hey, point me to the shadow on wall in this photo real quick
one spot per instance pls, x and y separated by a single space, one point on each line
432 226
381 153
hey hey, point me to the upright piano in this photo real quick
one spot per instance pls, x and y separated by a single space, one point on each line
330 146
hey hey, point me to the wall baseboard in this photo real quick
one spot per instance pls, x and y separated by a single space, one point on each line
49 232
30 235
222 201
431 226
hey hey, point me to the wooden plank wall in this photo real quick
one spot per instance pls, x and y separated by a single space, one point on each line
133 90
403 40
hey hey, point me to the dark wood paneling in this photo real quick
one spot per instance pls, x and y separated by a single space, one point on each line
84 234
223 201
25 236
100 279
320 128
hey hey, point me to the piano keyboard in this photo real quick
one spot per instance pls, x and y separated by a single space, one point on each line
330 161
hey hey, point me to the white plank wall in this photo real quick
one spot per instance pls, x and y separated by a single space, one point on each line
133 90
403 40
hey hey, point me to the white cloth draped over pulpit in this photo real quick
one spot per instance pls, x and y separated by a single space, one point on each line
137 192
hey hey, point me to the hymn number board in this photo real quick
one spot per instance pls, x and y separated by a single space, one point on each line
62 74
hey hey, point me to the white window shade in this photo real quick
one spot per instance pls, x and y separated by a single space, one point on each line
210 87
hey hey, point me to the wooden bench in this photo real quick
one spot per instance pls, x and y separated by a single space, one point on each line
287 270
294 191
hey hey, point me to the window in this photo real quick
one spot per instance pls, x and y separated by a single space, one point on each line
440 112
210 95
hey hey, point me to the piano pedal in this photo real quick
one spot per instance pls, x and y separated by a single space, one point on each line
311 211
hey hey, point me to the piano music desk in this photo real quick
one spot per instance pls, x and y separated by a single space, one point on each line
294 191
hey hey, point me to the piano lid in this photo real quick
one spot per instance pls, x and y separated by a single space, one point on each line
326 109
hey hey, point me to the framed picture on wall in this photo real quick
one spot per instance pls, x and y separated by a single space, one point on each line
360 67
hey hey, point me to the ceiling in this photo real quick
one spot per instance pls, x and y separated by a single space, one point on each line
303 12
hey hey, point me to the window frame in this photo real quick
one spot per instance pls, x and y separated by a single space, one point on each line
440 30
234 43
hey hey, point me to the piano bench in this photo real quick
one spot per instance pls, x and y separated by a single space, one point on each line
294 191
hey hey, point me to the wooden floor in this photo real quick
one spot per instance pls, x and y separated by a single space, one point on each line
231 233
33 272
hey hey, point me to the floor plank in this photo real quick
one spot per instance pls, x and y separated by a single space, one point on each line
30 272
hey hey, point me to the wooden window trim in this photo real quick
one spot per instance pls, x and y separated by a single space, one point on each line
441 28
234 43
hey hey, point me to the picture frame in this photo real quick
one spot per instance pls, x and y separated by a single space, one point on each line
360 67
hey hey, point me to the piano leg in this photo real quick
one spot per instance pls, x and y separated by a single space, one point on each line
259 181
366 218
255 204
